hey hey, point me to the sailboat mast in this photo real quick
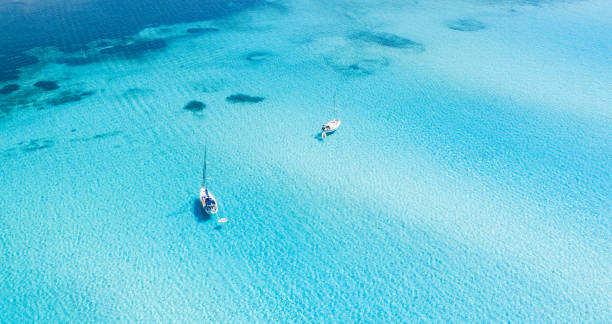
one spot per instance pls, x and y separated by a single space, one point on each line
204 168
335 93
335 107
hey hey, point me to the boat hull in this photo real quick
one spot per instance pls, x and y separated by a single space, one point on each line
331 126
209 203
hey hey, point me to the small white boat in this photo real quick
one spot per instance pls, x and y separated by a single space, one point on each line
332 125
206 197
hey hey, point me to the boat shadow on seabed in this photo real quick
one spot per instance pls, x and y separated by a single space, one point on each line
201 216
198 211
319 136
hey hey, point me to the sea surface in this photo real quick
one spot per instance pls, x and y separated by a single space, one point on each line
470 180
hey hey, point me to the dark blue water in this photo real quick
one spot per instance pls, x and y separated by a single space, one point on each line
70 25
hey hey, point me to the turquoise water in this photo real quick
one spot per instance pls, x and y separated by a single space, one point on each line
470 180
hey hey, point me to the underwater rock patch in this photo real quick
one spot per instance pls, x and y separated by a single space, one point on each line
202 30
194 106
276 5
136 48
77 61
47 85
388 40
136 92
8 74
353 69
466 25
362 67
97 136
70 96
8 152
257 56
103 43
9 69
242 98
37 144
105 135
9 88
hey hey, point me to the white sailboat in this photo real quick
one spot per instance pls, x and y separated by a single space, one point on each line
331 126
206 197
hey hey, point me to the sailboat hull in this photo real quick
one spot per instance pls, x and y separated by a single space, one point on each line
331 126
209 203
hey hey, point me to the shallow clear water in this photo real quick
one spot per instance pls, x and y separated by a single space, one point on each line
469 182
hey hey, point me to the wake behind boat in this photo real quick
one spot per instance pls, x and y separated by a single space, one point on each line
209 203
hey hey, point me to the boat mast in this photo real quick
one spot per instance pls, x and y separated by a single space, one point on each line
204 168
335 108
336 117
